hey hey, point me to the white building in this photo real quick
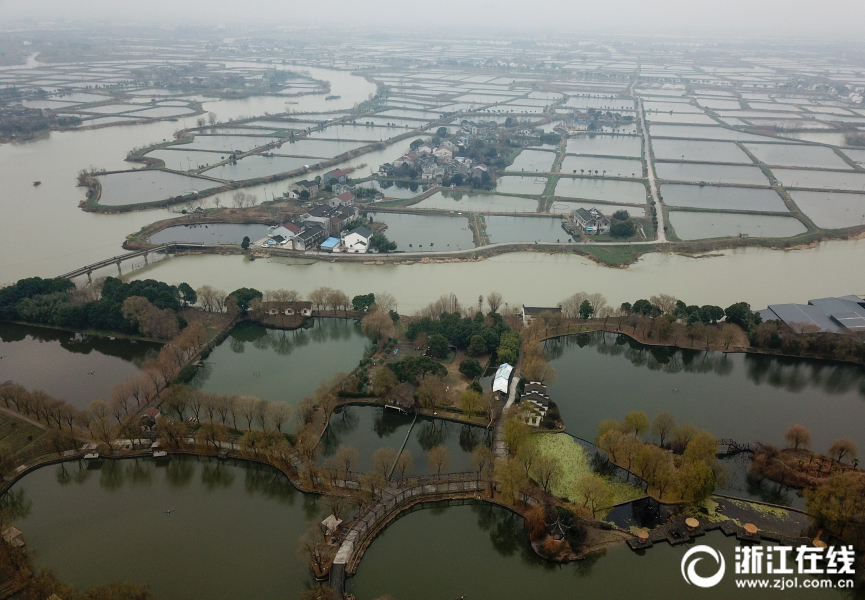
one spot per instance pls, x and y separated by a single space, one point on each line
357 240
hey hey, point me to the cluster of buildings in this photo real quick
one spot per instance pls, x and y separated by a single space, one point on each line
574 123
326 226
437 162
845 314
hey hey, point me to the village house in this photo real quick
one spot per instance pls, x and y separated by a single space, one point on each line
344 199
357 240
310 238
287 230
536 402
288 309
335 176
443 155
341 188
311 187
591 221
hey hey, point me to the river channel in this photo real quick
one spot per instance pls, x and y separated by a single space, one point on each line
539 279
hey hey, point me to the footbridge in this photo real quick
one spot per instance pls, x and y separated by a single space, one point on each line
116 260
398 497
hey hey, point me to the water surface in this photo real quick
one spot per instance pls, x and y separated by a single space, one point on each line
119 506
746 397
75 367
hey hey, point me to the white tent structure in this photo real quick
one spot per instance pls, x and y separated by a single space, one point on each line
502 380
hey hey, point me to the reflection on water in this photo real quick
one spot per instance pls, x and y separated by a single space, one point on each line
82 367
481 551
282 365
747 397
368 428
215 505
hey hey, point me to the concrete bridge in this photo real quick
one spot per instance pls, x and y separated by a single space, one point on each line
116 260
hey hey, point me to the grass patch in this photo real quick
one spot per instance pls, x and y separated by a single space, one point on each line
17 433
576 463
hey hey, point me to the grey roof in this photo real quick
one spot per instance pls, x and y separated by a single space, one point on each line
831 306
804 313
310 232
320 211
362 231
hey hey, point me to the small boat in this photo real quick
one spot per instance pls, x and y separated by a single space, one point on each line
37 183
332 97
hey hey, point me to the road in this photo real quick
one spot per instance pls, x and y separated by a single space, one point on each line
653 186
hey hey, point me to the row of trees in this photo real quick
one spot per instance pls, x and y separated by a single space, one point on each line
690 471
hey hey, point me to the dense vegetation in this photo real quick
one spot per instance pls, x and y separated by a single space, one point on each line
478 335
25 122
147 307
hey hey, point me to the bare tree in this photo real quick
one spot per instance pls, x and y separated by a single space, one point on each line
494 300
279 413
439 459
405 464
797 436
383 460
843 447
662 425
247 407
385 302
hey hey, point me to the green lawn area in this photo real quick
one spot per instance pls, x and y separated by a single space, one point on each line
17 432
576 463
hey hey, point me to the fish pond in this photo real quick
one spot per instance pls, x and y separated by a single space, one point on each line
211 233
706 225
502 228
722 198
414 232
148 185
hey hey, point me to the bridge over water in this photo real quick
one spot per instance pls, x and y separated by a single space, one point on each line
116 260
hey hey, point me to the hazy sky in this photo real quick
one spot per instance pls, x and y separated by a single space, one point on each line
831 19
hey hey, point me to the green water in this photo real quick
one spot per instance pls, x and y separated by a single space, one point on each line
233 531
281 365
